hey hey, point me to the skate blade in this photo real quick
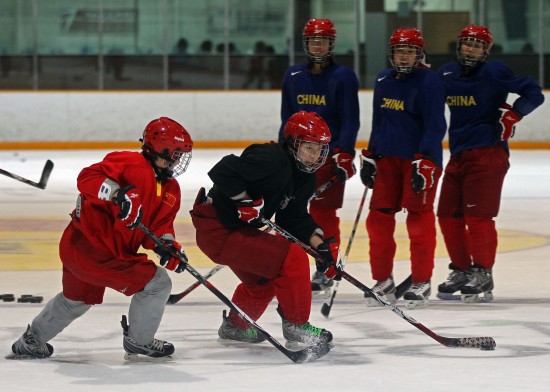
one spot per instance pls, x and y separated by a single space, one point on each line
297 346
449 296
131 357
236 343
22 357
478 298
414 304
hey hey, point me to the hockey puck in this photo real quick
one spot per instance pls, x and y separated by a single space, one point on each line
7 297
36 299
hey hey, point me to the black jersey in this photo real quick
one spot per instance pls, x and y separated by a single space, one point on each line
268 171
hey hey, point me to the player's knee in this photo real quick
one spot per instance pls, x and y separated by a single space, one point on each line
75 308
159 284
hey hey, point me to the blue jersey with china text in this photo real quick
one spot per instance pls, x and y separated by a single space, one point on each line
474 100
333 94
408 115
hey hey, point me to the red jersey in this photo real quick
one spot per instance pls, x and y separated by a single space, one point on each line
98 222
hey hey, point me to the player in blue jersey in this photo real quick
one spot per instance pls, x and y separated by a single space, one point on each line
481 124
331 90
403 164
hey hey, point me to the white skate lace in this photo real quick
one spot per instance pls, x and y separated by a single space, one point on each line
417 288
157 345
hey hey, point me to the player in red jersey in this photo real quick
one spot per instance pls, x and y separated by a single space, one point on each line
99 247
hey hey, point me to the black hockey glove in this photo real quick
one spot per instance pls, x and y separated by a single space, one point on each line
169 254
368 167
251 211
129 201
330 263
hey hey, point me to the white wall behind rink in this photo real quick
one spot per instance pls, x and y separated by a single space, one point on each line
207 115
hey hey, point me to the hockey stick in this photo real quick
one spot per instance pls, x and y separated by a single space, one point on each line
48 167
325 309
173 298
483 343
305 355
399 290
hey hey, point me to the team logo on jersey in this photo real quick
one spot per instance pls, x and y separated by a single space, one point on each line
285 201
169 199
311 99
461 100
394 104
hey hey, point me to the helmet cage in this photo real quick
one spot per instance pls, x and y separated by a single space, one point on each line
469 61
297 150
316 58
319 29
180 162
405 68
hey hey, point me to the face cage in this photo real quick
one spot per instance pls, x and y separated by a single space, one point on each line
471 62
313 166
406 69
318 59
180 162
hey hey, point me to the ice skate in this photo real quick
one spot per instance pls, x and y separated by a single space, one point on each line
157 349
455 281
299 335
417 296
27 347
229 331
321 286
384 289
480 287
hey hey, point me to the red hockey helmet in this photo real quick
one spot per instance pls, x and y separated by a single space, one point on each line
165 138
406 39
472 35
314 31
308 137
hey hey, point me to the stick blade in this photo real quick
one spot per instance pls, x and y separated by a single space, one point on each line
309 354
483 343
325 310
48 167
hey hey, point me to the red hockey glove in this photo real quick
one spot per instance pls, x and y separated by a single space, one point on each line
344 164
330 263
251 211
129 201
172 256
368 167
506 126
423 173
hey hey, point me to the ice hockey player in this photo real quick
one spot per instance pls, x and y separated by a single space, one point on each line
481 123
403 164
265 180
331 90
99 247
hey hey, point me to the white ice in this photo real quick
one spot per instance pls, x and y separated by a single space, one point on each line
375 349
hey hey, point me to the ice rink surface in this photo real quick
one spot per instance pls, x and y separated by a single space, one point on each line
375 350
